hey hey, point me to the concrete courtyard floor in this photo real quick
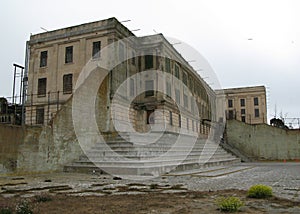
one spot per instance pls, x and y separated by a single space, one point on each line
284 178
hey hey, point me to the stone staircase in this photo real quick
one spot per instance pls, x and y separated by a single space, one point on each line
128 155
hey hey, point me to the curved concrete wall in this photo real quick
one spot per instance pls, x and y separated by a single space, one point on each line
264 142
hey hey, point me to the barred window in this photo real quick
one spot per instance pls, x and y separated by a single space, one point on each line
230 103
133 58
168 91
242 102
184 78
177 72
69 54
187 123
43 58
149 88
256 112
67 83
185 100
40 115
177 96
42 87
148 61
96 49
243 111
121 52
131 91
168 65
243 119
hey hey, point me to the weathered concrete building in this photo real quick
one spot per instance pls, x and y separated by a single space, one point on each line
58 57
246 104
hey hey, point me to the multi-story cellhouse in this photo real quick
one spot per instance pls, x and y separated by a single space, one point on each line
246 104
57 58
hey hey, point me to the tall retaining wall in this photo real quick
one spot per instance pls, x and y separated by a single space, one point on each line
10 139
264 142
33 149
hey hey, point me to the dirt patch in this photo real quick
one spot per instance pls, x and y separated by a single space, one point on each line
187 202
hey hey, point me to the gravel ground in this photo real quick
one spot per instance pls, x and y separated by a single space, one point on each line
284 178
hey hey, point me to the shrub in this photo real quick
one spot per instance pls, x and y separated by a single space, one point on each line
42 198
260 191
23 208
153 186
229 204
6 210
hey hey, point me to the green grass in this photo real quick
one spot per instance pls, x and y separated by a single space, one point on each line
229 204
260 191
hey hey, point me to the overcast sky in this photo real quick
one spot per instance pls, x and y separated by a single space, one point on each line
246 42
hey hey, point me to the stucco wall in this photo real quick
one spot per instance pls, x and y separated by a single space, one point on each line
264 142
10 139
50 147
33 149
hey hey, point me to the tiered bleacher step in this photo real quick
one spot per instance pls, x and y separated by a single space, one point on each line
137 155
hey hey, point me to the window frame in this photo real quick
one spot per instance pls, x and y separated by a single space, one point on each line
177 96
230 103
69 54
96 51
256 113
40 116
242 102
67 83
149 89
149 62
43 59
42 87
168 64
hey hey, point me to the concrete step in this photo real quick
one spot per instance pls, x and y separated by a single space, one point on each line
119 156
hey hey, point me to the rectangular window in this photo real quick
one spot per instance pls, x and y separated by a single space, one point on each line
168 65
256 101
184 78
243 111
43 58
132 58
69 54
243 119
242 102
193 125
177 72
42 87
131 91
168 89
179 120
187 123
149 88
40 116
230 115
177 96
140 63
192 105
230 103
67 83
185 101
148 61
256 112
171 118
121 52
96 50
